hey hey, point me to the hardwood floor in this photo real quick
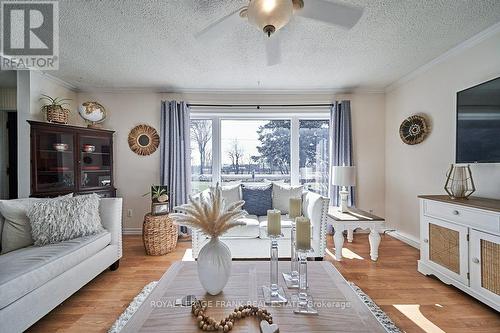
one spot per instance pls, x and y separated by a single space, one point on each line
392 282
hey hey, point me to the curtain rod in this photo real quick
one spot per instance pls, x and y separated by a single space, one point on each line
258 106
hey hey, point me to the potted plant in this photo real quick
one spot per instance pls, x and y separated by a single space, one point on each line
54 109
159 199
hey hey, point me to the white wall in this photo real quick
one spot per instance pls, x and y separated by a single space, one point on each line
134 174
420 169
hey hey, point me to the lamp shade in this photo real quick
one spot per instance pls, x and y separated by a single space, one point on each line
344 175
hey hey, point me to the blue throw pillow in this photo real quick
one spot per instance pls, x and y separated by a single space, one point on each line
258 199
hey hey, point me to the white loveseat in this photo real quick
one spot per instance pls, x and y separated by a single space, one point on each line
251 240
34 280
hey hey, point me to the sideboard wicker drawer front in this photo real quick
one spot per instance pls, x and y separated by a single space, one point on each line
460 244
463 215
485 264
444 247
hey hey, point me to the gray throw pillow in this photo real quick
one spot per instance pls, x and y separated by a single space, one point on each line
60 220
258 199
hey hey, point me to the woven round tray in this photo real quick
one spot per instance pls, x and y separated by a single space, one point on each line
159 234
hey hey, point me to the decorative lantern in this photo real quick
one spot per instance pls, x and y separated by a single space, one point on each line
459 182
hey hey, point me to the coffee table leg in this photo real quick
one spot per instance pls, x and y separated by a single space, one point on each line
338 238
350 235
374 239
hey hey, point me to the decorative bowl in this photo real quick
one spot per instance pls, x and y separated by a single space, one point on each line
60 146
88 148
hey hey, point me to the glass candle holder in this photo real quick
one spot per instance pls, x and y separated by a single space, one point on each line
304 301
292 278
274 293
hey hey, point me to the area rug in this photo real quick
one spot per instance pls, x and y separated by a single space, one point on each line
384 320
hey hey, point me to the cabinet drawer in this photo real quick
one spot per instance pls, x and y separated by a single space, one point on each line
469 216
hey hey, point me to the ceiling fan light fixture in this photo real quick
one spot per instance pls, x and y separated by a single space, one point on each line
269 15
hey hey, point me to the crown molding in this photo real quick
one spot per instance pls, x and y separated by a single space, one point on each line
474 40
234 91
57 80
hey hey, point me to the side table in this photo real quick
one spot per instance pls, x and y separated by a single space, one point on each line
159 234
355 218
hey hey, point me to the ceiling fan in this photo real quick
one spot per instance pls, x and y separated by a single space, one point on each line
270 16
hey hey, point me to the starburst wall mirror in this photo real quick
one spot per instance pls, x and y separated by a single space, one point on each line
143 140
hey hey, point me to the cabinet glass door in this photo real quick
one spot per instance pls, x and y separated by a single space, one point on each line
55 162
485 264
446 248
95 162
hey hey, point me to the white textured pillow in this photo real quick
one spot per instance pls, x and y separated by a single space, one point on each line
231 193
282 194
59 220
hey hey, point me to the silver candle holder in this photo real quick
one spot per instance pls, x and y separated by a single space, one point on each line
305 304
274 293
292 278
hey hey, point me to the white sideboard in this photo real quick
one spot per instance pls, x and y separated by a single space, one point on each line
460 244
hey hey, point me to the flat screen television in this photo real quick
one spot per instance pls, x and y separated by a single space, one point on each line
478 123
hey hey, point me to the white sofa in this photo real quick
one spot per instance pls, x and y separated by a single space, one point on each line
34 280
251 240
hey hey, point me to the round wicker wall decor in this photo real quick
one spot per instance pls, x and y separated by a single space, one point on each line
414 130
143 140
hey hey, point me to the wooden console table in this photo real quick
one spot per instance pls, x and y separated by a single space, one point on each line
353 219
341 308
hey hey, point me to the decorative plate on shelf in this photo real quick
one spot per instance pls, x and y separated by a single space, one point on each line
414 130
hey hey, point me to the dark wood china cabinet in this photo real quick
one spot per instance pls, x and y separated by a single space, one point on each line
71 159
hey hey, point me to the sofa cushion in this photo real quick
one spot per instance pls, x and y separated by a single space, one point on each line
17 229
250 230
54 221
286 227
258 199
27 269
282 194
231 194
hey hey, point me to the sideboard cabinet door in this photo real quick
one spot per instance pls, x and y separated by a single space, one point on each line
446 248
485 264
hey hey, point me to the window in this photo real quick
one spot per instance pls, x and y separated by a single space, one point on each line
255 148
253 151
313 155
201 154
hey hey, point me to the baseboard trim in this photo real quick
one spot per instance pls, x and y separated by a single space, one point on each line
132 231
405 238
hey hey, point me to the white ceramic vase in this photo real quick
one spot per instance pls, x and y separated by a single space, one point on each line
214 266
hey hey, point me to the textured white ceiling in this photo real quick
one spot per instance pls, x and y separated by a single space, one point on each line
150 44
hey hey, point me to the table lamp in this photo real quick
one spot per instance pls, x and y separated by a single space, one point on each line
344 176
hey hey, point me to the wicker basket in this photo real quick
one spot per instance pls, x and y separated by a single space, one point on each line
159 234
56 114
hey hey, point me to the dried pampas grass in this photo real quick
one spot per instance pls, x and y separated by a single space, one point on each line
209 214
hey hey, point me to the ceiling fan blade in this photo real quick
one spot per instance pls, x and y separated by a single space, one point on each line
220 27
345 16
273 49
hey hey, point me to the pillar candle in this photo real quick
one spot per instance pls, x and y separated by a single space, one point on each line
295 209
303 226
274 222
